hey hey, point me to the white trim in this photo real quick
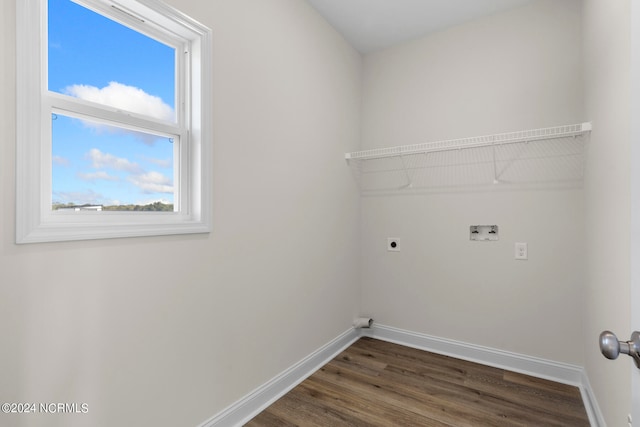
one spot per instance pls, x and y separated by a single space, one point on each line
255 402
590 403
35 222
541 368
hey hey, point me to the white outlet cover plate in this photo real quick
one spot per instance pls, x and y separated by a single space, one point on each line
521 251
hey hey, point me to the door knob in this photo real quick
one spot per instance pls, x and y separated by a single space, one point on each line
611 347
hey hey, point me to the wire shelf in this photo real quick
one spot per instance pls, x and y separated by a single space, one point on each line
532 156
474 142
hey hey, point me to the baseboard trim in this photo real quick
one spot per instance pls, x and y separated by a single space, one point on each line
555 371
255 402
590 403
251 405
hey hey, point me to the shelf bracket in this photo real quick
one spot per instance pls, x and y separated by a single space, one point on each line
406 173
495 166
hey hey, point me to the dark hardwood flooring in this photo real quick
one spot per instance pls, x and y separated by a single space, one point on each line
376 383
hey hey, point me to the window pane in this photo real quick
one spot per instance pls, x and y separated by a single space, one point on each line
97 59
102 167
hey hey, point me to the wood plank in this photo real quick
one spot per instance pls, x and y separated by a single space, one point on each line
384 384
371 410
425 406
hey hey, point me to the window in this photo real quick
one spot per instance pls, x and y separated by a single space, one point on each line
113 120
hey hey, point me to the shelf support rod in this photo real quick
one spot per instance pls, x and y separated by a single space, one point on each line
495 165
406 172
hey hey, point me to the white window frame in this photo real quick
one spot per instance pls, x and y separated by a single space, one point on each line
35 220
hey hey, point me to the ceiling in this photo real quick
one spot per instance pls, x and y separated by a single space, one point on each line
371 25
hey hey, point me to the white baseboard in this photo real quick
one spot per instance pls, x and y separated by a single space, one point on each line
255 402
590 403
251 405
541 368
555 371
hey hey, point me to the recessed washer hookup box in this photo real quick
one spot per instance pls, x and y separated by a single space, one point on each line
483 232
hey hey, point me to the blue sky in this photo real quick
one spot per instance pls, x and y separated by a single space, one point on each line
99 60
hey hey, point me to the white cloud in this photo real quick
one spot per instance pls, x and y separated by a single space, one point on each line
124 97
152 182
97 176
102 160
60 161
147 182
151 201
78 197
162 163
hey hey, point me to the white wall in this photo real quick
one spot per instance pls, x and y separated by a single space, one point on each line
508 72
607 186
168 331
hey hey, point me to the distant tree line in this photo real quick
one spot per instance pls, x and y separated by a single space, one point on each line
155 207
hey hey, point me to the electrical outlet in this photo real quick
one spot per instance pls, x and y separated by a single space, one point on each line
522 251
393 244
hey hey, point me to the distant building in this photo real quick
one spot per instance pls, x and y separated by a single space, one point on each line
97 208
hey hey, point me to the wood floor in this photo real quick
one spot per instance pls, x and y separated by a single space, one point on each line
376 383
